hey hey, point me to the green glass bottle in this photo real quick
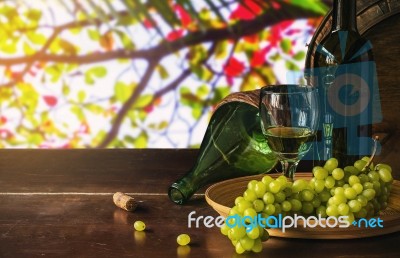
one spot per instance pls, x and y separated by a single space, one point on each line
343 69
233 146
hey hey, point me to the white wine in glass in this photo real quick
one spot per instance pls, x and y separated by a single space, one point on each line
289 121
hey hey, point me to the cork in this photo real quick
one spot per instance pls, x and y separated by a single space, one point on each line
124 201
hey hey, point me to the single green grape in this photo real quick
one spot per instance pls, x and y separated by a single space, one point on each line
350 193
239 248
247 243
279 197
296 204
249 195
355 206
330 201
269 209
266 180
254 233
365 158
358 188
331 164
373 176
264 235
363 178
258 205
329 182
338 190
352 170
286 206
307 208
353 180
316 202
252 184
315 169
332 191
242 205
233 211
224 229
278 209
381 165
368 185
339 198
282 179
377 188
338 173
139 225
320 173
275 186
371 166
260 189
324 195
350 217
257 246
268 198
230 235
319 185
307 195
288 190
250 212
332 210
360 164
299 185
321 211
369 194
343 209
237 232
385 175
238 199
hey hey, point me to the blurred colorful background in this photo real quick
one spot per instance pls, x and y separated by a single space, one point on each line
139 73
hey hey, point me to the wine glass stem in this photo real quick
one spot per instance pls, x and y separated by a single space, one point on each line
289 168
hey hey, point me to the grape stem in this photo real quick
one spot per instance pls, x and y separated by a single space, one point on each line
376 140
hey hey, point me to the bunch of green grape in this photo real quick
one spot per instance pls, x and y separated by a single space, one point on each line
358 191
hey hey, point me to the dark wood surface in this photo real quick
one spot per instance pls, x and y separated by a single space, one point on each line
58 203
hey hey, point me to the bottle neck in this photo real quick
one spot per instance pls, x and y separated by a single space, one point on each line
344 15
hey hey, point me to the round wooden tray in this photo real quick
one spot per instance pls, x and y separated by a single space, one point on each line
221 197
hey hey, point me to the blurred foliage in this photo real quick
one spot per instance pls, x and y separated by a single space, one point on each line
91 73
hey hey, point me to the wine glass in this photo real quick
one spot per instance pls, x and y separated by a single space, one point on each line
289 121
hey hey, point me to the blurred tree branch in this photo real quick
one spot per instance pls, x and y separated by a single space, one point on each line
239 29
152 54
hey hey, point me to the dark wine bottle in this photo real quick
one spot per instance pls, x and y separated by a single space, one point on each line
344 71
233 146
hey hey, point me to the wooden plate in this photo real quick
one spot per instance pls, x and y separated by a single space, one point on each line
221 197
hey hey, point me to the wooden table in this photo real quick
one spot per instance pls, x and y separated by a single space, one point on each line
58 203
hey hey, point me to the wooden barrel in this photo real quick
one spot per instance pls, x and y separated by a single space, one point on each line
378 21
